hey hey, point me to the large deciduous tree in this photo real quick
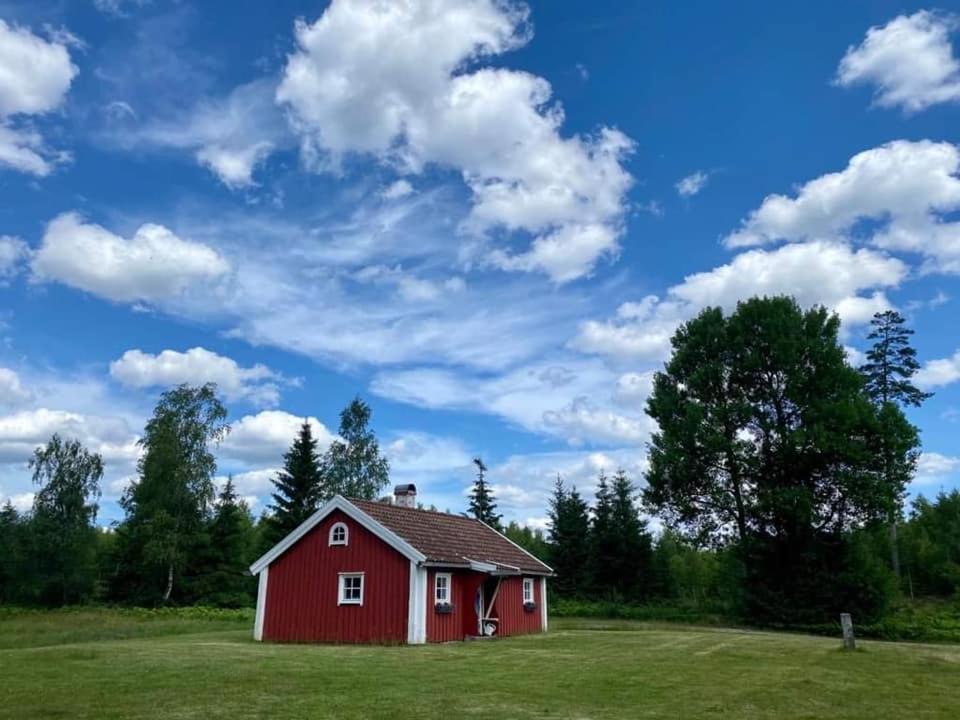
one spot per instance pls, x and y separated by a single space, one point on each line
483 505
767 438
353 465
168 505
64 510
299 487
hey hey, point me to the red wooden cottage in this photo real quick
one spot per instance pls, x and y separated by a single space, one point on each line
359 571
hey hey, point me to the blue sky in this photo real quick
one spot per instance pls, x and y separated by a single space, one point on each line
487 218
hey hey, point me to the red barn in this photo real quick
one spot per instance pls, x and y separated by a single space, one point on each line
359 571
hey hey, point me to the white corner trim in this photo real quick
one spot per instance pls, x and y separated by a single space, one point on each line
543 604
525 552
417 605
261 605
354 513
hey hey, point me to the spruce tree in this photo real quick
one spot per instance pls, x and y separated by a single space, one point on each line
631 561
299 487
483 505
225 581
891 363
569 539
353 466
603 547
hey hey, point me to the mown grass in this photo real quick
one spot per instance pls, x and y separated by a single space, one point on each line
581 669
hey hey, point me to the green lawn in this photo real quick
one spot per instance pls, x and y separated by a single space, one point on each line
581 669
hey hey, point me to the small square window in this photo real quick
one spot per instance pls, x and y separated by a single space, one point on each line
442 586
527 590
351 589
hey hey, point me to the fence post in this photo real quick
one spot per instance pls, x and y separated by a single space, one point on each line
846 622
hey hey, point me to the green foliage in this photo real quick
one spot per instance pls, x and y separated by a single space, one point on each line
62 527
299 488
353 466
15 571
892 362
483 505
167 508
766 438
569 542
529 539
931 545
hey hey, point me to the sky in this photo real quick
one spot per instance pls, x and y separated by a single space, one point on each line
485 217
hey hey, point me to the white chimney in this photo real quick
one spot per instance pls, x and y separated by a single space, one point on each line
405 495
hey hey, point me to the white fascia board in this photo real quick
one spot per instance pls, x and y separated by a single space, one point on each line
354 513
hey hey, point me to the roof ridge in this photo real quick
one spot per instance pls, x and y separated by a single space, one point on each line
459 516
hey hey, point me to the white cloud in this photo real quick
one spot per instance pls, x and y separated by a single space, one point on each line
693 183
934 467
825 273
35 75
940 372
413 453
546 398
406 95
23 502
397 189
153 265
258 384
261 440
909 61
633 389
900 191
253 482
22 432
12 253
12 391
231 136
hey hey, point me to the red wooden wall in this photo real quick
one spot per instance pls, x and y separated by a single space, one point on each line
514 620
302 589
463 620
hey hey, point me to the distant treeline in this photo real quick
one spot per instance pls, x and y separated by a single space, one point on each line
776 479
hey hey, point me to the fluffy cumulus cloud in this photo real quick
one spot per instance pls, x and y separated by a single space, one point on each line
35 75
909 61
22 432
940 372
896 197
258 383
400 81
817 273
260 440
153 265
12 391
692 183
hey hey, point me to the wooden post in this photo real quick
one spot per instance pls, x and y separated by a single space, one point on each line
846 622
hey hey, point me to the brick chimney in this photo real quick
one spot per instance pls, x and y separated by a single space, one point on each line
405 495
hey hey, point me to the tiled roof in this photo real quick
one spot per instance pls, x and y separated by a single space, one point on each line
453 539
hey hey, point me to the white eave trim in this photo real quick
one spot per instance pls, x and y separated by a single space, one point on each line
481 566
354 513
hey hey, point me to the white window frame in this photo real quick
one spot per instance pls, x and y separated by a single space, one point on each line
436 588
342 584
333 530
528 585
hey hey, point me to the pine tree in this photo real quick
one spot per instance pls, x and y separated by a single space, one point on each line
299 487
892 362
569 539
353 466
64 511
483 505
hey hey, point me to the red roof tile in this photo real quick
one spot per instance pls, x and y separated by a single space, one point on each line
453 539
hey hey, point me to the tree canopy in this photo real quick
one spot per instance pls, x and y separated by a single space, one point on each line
353 465
483 505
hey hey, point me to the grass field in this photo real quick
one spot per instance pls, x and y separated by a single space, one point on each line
110 664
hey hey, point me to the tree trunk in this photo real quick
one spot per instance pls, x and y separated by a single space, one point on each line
169 590
894 548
